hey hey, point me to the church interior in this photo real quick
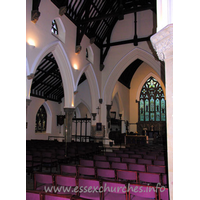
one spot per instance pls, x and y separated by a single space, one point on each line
99 99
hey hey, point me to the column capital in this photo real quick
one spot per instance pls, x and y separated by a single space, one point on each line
162 42
69 110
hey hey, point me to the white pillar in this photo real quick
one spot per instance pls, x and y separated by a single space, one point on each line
162 42
164 13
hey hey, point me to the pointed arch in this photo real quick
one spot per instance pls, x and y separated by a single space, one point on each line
65 70
143 82
49 117
84 103
28 82
122 64
93 85
119 101
27 67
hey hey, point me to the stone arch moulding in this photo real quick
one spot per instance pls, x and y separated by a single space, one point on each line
93 85
119 101
78 113
143 82
28 82
85 104
49 118
65 70
27 67
122 64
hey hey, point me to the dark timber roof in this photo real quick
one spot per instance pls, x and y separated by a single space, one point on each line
97 18
47 81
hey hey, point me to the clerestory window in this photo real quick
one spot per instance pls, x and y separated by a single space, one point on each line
54 28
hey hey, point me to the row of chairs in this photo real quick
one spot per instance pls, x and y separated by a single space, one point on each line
133 159
67 168
73 150
115 174
38 195
140 154
97 189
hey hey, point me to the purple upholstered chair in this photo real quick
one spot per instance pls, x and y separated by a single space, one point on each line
156 169
160 157
152 157
106 174
114 159
141 152
110 154
100 157
141 192
86 172
33 195
37 158
42 180
118 151
68 169
89 188
60 155
144 161
114 190
123 155
125 175
118 165
164 179
31 165
159 162
152 178
137 167
163 194
135 156
48 160
129 160
87 163
102 164
65 184
50 196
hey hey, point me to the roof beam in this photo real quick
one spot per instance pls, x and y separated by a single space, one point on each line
81 29
128 41
104 54
116 14
55 87
44 76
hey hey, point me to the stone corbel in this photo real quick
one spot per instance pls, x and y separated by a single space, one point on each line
162 42
30 76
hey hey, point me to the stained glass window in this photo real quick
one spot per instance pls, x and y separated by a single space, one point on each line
141 110
41 119
162 109
157 110
152 104
54 28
